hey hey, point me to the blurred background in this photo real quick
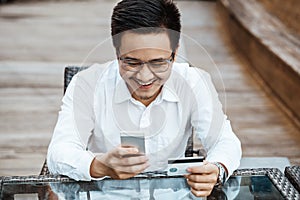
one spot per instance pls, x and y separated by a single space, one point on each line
250 48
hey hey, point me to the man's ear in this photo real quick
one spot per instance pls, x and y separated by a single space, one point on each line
117 52
175 53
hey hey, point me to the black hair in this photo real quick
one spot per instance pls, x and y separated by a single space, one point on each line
146 16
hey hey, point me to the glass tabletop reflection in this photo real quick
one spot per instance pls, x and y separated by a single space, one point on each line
237 187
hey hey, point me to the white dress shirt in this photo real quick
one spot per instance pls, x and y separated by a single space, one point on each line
98 107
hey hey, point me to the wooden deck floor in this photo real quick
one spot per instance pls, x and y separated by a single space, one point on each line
38 39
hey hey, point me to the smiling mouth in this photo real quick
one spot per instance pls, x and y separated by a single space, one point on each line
145 85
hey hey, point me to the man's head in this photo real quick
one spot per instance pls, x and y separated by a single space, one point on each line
146 16
146 35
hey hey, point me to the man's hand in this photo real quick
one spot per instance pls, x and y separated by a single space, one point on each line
120 163
202 179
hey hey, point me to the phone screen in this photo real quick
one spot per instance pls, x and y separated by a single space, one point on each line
137 141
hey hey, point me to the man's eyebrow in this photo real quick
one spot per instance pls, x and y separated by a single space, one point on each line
130 58
157 59
136 59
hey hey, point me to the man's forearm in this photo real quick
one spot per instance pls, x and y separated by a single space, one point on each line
98 169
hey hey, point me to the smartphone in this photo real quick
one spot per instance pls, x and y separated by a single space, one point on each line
136 141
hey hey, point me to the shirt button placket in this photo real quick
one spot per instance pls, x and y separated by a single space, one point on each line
145 120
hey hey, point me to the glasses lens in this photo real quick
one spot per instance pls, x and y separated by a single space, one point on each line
159 66
156 66
131 65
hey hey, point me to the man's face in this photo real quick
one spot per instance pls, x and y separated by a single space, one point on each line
145 80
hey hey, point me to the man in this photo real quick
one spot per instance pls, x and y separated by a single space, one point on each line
143 92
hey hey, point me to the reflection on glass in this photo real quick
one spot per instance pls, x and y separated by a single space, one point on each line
134 189
154 188
250 187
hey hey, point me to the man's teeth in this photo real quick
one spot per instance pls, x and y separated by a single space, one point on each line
143 84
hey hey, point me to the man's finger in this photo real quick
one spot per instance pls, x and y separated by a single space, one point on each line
199 193
200 186
134 169
123 151
202 178
207 168
133 160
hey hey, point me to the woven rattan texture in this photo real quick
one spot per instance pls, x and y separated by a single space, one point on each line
1 184
293 174
277 177
70 71
283 184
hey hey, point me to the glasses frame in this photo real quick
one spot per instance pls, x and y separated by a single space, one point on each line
141 63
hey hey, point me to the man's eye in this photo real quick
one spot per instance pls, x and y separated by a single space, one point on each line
132 63
158 63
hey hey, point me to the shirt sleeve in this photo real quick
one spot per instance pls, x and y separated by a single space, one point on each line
212 127
227 149
67 153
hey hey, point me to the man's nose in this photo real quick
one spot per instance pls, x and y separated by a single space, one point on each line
145 73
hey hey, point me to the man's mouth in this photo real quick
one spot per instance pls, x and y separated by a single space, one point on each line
145 85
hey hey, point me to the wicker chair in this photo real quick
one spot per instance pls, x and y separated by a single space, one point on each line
293 174
70 71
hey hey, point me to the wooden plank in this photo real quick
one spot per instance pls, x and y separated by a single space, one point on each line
31 92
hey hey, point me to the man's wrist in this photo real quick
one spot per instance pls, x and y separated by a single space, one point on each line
222 176
98 169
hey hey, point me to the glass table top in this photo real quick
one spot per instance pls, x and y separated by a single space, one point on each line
237 187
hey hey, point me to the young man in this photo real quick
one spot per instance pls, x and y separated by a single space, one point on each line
142 91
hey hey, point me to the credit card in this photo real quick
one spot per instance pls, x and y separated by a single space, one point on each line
179 166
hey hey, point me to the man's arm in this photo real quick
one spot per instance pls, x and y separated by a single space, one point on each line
214 130
67 152
212 127
226 152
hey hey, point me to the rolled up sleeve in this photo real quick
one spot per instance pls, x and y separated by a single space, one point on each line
227 149
213 128
67 153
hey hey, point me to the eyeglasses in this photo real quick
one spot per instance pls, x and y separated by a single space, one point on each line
155 65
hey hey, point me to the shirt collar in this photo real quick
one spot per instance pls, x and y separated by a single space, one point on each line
121 90
169 91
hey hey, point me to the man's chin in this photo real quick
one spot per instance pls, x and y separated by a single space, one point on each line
144 96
